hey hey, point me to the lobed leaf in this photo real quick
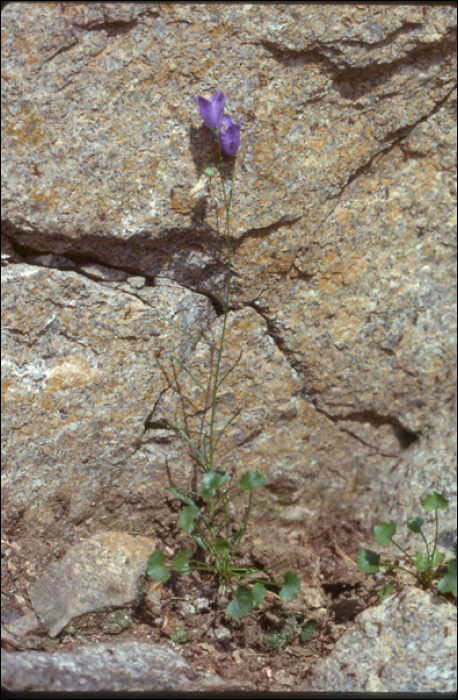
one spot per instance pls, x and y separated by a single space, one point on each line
385 591
422 562
258 592
221 547
211 482
415 524
155 568
187 516
243 602
448 583
291 586
252 480
308 629
383 533
434 501
181 561
368 561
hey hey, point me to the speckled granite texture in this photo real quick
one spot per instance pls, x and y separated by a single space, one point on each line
344 256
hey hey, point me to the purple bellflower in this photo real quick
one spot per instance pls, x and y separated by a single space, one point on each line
212 110
229 136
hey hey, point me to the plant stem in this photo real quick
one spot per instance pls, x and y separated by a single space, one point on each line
228 207
436 534
404 552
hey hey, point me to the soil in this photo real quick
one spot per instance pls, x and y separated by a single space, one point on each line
260 651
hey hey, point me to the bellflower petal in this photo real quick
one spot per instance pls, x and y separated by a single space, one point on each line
212 110
229 136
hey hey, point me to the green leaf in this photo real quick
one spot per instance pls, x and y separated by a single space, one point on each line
438 558
385 591
308 629
434 501
422 562
258 592
242 603
209 172
252 480
415 524
368 561
221 547
181 561
187 516
211 481
453 548
383 532
448 582
155 567
291 586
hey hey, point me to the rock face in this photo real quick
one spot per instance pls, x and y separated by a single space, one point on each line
128 667
343 316
101 572
395 645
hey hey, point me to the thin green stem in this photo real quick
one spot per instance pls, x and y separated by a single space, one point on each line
402 568
436 534
228 207
427 547
404 552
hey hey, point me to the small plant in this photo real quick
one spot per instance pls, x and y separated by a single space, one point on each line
206 513
428 567
180 636
277 640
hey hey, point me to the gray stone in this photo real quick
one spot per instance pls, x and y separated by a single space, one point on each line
101 572
124 667
405 644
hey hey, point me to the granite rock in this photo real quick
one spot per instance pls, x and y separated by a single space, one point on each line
343 315
406 644
122 667
100 572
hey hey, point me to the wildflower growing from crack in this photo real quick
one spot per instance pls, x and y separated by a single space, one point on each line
229 136
212 110
225 128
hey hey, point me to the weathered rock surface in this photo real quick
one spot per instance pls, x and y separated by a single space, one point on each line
100 572
125 667
344 256
407 643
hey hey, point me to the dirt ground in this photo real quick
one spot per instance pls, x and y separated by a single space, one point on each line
261 651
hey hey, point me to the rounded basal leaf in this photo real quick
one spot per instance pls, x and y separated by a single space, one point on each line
448 583
243 602
252 480
155 568
291 586
383 532
438 558
422 562
434 501
209 172
308 629
258 591
385 591
211 482
187 516
368 561
415 524
181 561
221 547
